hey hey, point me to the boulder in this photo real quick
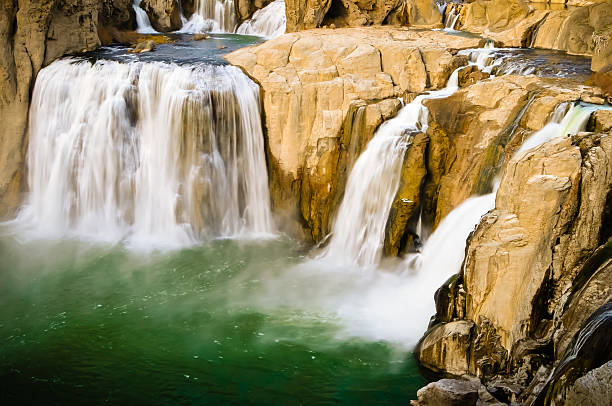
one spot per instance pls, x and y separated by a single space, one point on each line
164 14
471 75
446 347
455 392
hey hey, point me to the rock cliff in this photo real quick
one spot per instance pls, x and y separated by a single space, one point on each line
307 14
324 94
536 268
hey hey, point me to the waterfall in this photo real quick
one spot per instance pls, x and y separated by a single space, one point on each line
358 232
574 121
269 22
211 16
152 153
142 19
451 20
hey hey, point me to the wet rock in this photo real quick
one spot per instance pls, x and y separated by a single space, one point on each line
593 389
200 37
324 94
403 217
455 392
446 347
144 46
601 121
471 75
448 392
246 8
588 357
164 14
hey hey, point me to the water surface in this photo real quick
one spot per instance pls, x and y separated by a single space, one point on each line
92 324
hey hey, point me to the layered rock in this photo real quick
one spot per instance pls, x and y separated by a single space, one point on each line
583 30
473 130
536 267
318 86
307 14
33 34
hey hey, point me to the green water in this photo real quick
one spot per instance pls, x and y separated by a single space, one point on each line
90 324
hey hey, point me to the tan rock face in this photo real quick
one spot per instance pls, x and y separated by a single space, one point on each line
246 8
473 130
537 265
307 14
315 83
506 264
445 347
164 14
33 34
583 30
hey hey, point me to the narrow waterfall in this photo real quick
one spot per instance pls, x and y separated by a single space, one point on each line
151 153
269 22
574 121
358 232
451 20
142 19
211 16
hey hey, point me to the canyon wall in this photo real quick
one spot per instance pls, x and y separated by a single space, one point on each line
324 94
536 268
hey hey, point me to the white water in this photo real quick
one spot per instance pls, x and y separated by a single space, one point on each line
211 16
451 20
142 19
269 22
574 121
155 154
358 232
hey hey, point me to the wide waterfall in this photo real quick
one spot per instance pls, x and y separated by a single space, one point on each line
153 153
211 16
269 22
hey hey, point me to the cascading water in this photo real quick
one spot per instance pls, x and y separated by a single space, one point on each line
451 20
358 232
211 16
574 121
154 153
143 23
269 22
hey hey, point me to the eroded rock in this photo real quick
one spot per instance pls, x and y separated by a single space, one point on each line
164 14
312 82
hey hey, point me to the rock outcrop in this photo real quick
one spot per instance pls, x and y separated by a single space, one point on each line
307 14
33 34
536 267
324 94
246 8
164 14
583 30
